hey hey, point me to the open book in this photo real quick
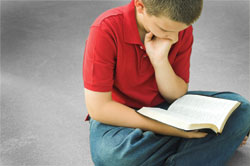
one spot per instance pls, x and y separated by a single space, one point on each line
192 112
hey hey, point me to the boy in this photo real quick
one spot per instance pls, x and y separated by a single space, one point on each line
139 55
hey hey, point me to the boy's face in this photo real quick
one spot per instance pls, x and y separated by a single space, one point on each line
162 27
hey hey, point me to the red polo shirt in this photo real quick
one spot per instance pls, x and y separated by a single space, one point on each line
115 59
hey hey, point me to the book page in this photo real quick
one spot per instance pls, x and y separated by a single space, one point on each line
162 115
194 112
201 109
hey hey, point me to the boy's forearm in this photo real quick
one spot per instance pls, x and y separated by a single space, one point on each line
169 84
116 114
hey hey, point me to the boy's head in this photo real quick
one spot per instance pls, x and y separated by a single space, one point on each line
185 11
165 18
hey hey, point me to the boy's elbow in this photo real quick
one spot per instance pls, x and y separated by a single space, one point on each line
91 112
94 111
177 93
95 102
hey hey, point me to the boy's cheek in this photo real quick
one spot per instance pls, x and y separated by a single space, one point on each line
174 37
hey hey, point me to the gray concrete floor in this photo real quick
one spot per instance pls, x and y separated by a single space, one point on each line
42 101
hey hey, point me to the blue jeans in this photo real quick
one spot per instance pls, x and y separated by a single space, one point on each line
120 146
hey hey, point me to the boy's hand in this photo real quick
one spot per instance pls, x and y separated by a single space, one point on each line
158 48
195 134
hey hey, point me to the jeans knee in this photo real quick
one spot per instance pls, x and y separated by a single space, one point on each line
238 97
246 107
243 109
244 117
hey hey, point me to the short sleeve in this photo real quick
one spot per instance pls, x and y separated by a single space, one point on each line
99 60
181 65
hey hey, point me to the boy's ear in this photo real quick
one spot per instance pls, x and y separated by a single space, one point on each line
139 6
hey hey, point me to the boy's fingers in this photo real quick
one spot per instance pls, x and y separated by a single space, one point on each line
197 134
201 134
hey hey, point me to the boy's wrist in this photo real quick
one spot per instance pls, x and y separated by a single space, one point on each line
158 65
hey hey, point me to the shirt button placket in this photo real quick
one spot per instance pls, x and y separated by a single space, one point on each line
143 60
144 55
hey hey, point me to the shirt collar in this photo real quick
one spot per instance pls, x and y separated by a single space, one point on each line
131 33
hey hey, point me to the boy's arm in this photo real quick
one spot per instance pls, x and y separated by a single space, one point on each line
169 84
102 108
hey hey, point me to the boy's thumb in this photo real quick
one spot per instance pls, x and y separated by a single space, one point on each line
148 36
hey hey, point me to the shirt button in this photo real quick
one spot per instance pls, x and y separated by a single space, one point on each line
144 56
141 47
